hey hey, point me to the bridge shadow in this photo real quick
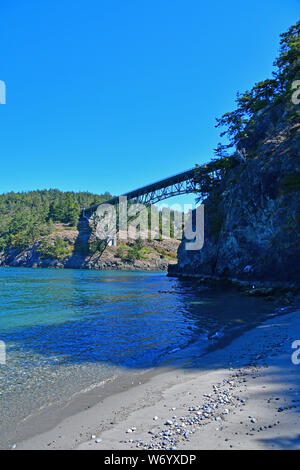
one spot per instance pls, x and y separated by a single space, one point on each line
83 245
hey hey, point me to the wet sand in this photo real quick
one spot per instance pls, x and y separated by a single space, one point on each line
246 397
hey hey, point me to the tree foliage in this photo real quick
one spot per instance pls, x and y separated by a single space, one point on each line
25 217
59 250
269 92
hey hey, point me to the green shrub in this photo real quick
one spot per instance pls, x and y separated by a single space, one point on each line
96 246
133 252
59 250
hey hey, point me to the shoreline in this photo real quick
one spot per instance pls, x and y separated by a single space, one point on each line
251 287
48 418
157 254
252 376
260 288
114 269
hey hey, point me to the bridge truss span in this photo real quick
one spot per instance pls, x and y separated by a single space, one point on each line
175 189
182 183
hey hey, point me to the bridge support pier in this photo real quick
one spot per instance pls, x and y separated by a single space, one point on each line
112 241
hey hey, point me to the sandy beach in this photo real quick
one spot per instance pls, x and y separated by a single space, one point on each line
246 397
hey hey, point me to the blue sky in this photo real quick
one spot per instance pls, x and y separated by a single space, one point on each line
109 96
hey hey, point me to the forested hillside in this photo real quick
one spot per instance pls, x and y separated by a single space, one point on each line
44 229
24 217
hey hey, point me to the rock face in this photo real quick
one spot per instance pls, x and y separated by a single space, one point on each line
155 256
252 219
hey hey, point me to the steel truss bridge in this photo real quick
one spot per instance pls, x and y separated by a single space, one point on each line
189 181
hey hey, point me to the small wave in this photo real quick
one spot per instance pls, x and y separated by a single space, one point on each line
93 386
175 350
217 335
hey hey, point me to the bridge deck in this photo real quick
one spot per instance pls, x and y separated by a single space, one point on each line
162 184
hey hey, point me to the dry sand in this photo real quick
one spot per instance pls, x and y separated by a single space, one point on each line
247 397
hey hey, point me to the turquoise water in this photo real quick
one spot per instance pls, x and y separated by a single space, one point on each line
68 330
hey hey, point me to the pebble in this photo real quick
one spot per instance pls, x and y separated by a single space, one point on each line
182 427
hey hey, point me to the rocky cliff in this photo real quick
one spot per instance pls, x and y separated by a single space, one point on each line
252 217
76 251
